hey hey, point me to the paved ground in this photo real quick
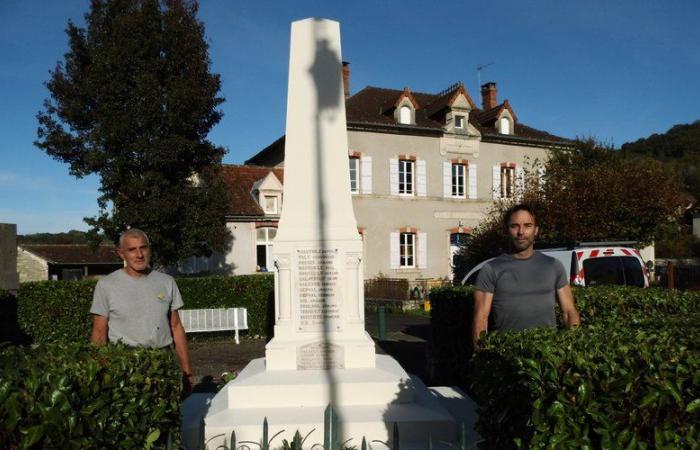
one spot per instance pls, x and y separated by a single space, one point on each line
406 341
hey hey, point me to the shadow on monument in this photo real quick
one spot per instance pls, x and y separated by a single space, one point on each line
328 96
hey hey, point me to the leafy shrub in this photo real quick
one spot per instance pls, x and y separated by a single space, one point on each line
50 311
618 386
629 377
77 395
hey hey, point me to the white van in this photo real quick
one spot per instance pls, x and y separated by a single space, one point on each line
593 264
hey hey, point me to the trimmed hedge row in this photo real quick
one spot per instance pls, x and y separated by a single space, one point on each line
78 396
629 377
50 311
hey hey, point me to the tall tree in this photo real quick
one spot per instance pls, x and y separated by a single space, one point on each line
589 193
133 102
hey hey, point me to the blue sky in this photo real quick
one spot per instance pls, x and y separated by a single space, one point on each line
614 70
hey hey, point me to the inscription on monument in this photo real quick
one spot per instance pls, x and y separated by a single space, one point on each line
317 289
317 356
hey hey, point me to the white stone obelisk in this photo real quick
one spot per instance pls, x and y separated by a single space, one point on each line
320 352
318 250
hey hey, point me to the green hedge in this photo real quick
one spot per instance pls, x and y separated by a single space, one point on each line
629 377
79 396
51 311
450 344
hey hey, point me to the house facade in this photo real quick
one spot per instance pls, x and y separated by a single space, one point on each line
424 170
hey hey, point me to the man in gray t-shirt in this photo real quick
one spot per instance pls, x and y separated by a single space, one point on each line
138 306
517 290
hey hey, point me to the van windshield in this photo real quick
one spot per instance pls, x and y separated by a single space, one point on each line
613 270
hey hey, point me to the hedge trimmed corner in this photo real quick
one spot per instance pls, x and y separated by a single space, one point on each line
450 344
58 311
55 311
77 395
629 377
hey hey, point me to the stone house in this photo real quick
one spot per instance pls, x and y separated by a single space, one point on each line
424 169
37 262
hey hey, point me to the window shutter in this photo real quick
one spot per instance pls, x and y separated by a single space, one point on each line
541 173
421 178
394 257
422 250
447 179
394 176
496 181
519 182
472 181
366 175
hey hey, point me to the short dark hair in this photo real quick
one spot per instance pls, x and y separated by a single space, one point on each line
515 208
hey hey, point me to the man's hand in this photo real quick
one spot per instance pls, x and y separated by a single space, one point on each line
99 329
569 313
482 309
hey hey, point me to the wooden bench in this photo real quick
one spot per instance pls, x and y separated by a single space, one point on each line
217 319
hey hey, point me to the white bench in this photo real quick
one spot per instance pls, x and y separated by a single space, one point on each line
218 319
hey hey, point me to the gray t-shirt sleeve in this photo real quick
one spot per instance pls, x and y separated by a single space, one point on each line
561 279
99 301
177 302
486 280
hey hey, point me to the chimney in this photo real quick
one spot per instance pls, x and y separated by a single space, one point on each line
489 98
346 78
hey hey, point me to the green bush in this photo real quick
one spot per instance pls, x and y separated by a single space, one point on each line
79 396
617 386
51 311
629 377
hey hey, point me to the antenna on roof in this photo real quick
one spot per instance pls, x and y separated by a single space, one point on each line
478 73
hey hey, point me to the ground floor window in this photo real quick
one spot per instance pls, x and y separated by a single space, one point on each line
407 248
457 242
264 237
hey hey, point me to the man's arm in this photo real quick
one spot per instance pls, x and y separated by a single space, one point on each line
99 329
482 308
568 308
180 342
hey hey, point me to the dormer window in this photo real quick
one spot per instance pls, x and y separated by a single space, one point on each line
459 122
504 126
405 115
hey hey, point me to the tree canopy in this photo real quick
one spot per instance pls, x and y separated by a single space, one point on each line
133 102
588 193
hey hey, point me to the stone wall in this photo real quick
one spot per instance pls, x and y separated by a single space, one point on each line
31 267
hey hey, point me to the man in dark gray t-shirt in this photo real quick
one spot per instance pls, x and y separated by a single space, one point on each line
517 290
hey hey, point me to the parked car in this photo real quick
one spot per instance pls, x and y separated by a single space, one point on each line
593 264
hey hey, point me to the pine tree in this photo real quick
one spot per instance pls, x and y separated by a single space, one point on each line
133 102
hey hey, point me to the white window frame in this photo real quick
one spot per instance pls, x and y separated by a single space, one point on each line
504 125
407 173
407 250
508 182
267 243
275 204
459 121
405 115
459 180
354 181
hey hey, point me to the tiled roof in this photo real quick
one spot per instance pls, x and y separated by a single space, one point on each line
240 180
369 105
74 253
